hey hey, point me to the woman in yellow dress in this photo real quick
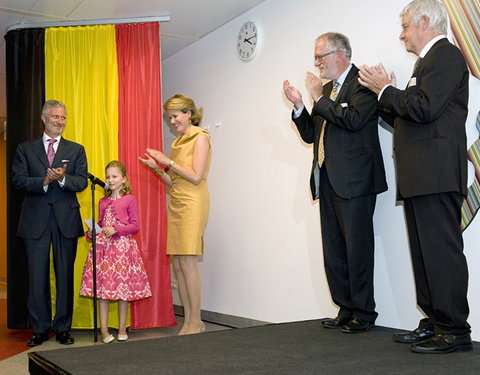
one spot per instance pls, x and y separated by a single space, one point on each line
185 171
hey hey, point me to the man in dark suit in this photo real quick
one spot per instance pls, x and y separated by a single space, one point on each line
347 174
50 216
431 155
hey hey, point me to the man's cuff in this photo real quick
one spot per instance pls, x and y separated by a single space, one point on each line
298 112
382 90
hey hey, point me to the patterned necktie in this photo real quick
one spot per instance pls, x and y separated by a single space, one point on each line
321 149
51 151
333 94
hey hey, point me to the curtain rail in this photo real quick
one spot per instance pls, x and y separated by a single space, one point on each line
102 21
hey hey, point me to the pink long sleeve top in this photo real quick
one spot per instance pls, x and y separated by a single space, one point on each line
125 210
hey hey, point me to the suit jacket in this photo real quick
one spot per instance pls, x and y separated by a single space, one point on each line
353 157
28 172
429 124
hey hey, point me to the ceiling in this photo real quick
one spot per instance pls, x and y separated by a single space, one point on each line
190 20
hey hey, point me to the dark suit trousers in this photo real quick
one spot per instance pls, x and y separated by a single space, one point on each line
38 257
439 265
348 250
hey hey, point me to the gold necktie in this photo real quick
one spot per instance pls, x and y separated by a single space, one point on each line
321 150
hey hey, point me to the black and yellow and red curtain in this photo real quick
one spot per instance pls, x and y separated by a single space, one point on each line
109 78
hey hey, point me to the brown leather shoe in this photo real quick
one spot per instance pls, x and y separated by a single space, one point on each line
441 343
413 337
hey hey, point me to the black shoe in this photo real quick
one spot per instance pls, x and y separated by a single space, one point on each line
37 339
441 343
413 337
356 326
337 322
65 338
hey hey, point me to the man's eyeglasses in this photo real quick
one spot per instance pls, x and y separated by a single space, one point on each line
57 117
320 57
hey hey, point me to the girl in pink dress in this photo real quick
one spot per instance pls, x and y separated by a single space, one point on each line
121 275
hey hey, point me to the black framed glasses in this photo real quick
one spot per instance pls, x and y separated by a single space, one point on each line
320 57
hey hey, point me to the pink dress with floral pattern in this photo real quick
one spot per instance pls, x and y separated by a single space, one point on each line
121 274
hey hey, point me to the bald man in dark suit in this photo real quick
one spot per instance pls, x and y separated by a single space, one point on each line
50 217
431 158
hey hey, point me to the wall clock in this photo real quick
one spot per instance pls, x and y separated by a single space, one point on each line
247 41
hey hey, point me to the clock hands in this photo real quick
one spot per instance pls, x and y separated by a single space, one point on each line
248 39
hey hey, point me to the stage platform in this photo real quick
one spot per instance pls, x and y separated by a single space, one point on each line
275 349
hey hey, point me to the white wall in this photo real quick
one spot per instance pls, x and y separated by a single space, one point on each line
263 245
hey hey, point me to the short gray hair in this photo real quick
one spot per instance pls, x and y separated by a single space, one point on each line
50 104
338 42
433 9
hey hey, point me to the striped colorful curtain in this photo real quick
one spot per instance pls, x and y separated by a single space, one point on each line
465 23
109 78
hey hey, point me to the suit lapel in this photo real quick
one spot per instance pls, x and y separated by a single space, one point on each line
39 150
42 155
420 61
328 89
348 80
59 155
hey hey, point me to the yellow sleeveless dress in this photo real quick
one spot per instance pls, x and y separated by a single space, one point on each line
189 204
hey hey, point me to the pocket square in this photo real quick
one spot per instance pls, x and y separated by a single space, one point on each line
344 105
412 82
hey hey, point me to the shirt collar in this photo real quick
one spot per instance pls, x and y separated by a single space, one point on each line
430 45
342 77
45 138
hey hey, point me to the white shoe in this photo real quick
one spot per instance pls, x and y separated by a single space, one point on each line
108 339
122 337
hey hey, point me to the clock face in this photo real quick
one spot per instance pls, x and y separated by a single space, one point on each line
247 40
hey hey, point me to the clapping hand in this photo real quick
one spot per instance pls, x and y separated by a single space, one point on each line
292 94
148 161
376 77
55 174
158 156
315 86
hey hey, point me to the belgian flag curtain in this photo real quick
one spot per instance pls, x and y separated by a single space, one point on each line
25 81
109 78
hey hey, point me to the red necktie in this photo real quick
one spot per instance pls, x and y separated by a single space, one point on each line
51 151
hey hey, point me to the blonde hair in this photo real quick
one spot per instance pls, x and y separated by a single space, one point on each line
127 187
180 102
